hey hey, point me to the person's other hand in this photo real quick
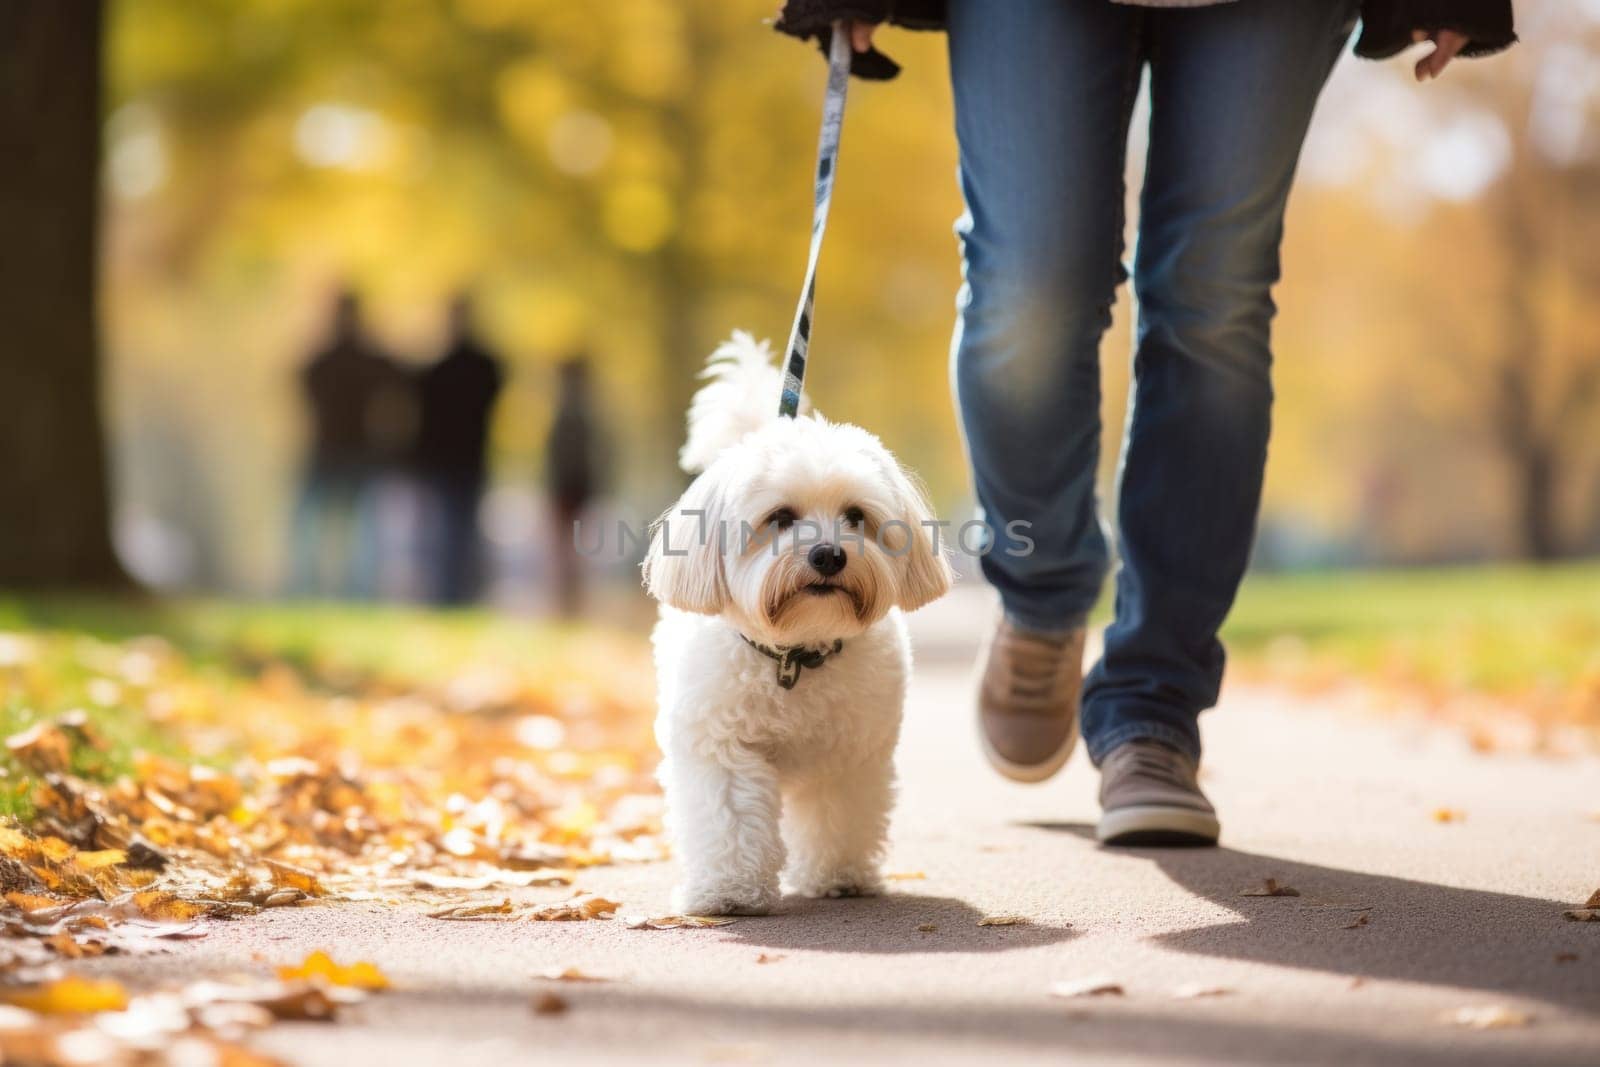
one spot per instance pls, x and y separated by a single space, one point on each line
1446 43
861 35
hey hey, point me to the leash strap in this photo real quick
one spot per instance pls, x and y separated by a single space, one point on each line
794 372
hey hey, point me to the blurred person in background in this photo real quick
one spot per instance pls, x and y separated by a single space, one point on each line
574 459
456 394
358 402
1044 93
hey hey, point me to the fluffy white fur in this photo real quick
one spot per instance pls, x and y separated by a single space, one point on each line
756 774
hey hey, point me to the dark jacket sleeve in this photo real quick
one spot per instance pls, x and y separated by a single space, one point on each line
1386 25
815 18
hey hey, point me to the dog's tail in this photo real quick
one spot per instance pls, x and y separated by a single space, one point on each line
740 396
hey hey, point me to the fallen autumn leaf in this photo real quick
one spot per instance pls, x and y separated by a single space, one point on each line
70 995
549 1004
1087 987
1488 1017
501 910
320 967
675 922
577 909
569 974
1196 990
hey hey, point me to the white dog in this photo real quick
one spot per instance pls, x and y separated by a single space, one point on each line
781 656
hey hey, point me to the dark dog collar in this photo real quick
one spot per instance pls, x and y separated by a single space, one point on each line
793 658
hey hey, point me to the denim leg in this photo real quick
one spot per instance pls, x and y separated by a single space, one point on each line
1043 91
1232 92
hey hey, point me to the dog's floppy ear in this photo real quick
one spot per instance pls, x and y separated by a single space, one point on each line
925 573
683 568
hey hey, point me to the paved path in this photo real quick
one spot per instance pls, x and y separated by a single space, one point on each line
1336 804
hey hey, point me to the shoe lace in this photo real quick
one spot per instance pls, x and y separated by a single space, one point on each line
1158 762
1036 664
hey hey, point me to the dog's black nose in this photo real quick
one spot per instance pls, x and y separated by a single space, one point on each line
827 560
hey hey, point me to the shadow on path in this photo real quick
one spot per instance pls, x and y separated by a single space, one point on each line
614 1023
1415 931
888 924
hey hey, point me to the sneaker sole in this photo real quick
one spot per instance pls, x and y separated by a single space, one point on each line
1030 773
1159 825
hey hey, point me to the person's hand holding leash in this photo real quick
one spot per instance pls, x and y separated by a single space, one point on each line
1446 44
861 33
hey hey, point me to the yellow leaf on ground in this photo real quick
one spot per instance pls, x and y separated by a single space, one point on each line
166 906
577 909
43 748
1003 920
1448 815
492 880
31 902
319 966
1271 888
1488 1017
675 922
570 974
65 945
1594 900
93 861
72 995
54 849
906 876
474 911
287 876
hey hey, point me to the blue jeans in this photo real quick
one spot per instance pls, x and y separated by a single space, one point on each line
1044 91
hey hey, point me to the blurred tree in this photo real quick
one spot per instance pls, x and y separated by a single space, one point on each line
53 480
1532 349
631 178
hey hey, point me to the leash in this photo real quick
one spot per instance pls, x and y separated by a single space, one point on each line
794 372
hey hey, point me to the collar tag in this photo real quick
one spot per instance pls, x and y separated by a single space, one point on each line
794 658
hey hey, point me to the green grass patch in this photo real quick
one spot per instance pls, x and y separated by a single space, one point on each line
1503 630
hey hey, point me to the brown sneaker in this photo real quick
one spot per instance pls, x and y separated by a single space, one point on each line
1149 796
1028 701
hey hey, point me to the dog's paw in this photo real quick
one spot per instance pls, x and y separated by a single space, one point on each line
725 900
835 892
840 884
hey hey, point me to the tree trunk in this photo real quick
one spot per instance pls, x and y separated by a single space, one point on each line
1537 478
55 530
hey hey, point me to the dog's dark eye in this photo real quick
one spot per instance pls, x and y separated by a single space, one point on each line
783 518
854 516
